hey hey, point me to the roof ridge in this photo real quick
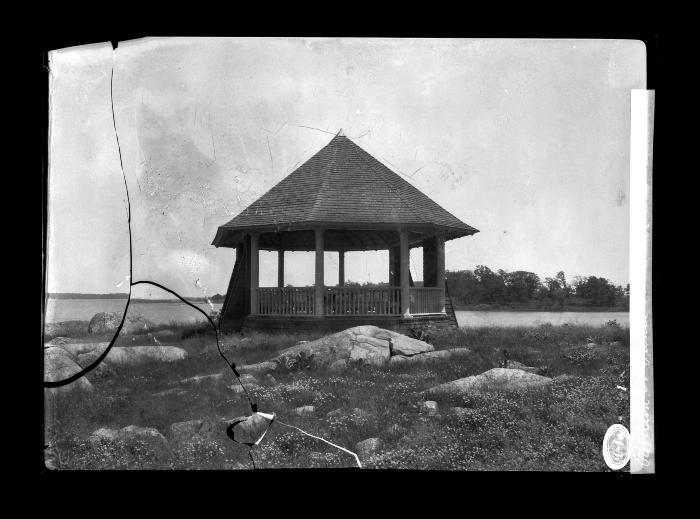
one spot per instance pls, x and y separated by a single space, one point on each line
326 175
381 176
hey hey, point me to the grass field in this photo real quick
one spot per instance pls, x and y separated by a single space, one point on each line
559 427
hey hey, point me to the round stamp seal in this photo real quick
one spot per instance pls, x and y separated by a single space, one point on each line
616 446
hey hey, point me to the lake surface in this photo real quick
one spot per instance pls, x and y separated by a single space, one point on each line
499 318
159 313
165 313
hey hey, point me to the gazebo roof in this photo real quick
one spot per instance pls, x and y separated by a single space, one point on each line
342 187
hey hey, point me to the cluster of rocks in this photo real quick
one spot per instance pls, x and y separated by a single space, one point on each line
362 344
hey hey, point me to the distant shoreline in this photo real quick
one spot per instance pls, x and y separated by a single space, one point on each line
120 297
503 308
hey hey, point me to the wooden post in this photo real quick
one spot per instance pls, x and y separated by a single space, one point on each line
254 274
319 287
441 270
341 268
405 294
280 268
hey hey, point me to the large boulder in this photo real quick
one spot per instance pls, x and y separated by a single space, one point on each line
108 322
59 365
366 344
497 378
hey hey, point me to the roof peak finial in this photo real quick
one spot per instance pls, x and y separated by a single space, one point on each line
341 133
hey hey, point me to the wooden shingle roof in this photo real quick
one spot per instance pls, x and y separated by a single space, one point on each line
343 187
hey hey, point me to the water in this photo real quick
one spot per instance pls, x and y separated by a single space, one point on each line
165 313
499 318
159 313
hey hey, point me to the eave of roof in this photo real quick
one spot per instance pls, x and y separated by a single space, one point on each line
343 186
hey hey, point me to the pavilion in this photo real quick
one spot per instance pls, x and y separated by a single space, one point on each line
342 199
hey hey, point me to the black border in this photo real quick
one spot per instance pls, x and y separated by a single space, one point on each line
63 37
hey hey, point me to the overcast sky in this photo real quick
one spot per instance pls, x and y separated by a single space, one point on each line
526 140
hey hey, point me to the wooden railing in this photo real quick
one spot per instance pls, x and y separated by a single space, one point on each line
426 300
286 301
362 301
339 301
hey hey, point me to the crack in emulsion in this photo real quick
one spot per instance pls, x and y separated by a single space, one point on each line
231 365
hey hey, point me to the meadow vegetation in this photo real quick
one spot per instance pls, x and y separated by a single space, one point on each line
558 427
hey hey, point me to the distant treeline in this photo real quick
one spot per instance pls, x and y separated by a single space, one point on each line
522 289
217 298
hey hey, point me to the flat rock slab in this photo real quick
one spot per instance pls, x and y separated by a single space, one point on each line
134 355
430 356
497 378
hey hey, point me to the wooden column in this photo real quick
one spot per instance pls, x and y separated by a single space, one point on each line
319 287
280 268
404 273
254 274
394 266
341 268
430 262
440 249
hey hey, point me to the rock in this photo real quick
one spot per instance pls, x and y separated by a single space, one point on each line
497 378
134 355
395 431
338 366
103 435
305 410
250 428
258 369
461 412
182 431
66 329
360 416
366 344
512 364
335 413
59 365
403 345
58 341
368 447
430 356
78 348
130 433
236 388
591 345
247 378
198 379
108 322
429 407
270 379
